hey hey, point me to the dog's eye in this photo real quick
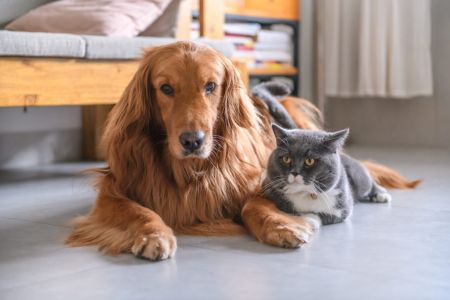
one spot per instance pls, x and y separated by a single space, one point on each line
210 87
167 89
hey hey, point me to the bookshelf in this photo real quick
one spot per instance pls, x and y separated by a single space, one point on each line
283 70
278 9
263 12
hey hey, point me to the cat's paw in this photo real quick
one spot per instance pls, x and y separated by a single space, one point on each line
381 197
313 220
288 235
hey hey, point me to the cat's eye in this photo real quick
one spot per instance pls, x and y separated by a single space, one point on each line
210 87
309 162
286 159
167 89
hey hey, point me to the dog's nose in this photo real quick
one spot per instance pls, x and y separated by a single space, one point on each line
192 140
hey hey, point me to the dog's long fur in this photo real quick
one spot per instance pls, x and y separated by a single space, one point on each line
148 189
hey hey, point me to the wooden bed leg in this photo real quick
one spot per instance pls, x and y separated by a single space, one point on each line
94 118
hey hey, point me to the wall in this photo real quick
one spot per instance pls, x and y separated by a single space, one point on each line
41 135
419 121
307 47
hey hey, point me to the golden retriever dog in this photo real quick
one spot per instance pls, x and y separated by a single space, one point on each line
185 148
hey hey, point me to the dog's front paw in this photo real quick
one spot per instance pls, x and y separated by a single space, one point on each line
155 246
289 235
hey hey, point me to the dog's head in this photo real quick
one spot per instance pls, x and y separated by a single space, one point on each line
186 94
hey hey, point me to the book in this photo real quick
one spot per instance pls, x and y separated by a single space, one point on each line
274 37
240 40
264 56
271 46
242 29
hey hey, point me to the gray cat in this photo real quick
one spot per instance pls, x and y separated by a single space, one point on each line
308 175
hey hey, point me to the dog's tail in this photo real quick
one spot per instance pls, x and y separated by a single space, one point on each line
389 178
304 114
222 227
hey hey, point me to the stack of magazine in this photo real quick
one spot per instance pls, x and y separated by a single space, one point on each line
268 48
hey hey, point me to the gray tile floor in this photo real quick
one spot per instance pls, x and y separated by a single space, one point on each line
396 251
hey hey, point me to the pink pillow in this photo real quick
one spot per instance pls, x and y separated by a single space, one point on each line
96 17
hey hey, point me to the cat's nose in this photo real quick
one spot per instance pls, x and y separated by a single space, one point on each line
294 174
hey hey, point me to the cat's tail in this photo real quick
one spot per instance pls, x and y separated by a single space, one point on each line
389 178
289 112
270 92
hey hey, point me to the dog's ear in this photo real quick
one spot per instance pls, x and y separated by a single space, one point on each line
237 106
136 112
138 103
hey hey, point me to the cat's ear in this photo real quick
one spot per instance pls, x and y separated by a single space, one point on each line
280 133
334 141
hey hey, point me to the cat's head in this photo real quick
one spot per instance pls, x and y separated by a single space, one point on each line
305 160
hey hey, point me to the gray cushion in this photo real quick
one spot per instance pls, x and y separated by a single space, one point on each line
99 47
16 43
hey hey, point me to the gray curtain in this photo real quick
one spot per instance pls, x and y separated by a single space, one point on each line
377 48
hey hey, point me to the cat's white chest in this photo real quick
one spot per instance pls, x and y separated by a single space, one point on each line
316 203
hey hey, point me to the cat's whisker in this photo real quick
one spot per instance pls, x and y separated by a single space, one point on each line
276 184
273 184
325 200
323 194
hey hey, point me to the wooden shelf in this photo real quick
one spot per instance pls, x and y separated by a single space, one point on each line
282 10
284 70
277 9
258 19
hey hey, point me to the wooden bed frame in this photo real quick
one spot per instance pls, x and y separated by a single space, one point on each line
94 84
